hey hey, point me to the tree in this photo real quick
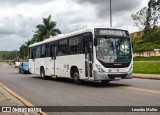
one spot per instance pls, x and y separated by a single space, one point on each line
156 12
44 31
8 55
47 29
147 19
23 51
156 16
139 18
36 38
151 20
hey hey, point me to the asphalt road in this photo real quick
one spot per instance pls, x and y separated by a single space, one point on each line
62 92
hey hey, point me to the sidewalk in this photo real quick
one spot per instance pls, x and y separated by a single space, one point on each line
6 99
147 76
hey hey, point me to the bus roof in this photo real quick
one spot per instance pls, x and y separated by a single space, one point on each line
61 36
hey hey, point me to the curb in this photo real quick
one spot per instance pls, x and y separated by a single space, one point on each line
25 102
145 77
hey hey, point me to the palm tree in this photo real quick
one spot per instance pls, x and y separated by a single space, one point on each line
47 29
36 38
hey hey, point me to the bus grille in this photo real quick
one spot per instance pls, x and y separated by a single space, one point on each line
112 76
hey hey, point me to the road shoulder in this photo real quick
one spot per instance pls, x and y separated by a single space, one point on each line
9 98
147 76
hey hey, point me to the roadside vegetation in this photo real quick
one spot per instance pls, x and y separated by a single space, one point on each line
141 45
147 67
43 31
147 20
8 55
141 58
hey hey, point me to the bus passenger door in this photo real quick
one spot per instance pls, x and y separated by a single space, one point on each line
53 58
88 45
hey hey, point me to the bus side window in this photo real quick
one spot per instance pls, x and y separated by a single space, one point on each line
52 51
47 50
38 52
75 45
71 46
43 51
87 43
79 45
62 47
32 53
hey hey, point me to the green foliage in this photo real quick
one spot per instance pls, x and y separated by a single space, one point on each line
44 31
146 67
23 51
152 58
144 44
137 39
47 29
151 20
139 18
148 20
8 55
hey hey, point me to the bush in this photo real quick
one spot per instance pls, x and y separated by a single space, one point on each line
142 44
152 58
146 46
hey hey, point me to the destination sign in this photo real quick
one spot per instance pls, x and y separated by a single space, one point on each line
112 32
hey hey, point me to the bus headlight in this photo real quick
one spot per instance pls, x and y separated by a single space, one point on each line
100 69
131 69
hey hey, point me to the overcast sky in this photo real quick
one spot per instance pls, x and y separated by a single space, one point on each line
18 18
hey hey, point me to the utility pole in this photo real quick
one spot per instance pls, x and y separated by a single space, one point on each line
110 13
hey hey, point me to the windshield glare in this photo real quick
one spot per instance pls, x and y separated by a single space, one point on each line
112 50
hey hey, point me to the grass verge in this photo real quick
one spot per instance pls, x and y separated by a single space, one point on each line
152 58
147 67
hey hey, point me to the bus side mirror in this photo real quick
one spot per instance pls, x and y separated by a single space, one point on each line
95 42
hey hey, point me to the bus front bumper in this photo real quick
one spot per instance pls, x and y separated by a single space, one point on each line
111 76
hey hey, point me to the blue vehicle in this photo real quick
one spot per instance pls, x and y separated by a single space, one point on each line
24 67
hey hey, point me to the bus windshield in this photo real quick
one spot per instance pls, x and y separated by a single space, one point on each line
114 50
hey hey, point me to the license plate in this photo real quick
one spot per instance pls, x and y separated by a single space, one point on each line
117 78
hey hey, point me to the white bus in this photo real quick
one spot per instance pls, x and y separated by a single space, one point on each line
98 54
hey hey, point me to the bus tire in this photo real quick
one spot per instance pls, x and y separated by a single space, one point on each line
42 73
76 78
105 82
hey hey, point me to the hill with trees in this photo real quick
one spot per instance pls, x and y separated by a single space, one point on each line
147 19
8 55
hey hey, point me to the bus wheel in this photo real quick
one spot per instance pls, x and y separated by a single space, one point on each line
42 73
76 78
105 82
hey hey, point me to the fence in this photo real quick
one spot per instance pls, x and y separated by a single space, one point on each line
147 54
